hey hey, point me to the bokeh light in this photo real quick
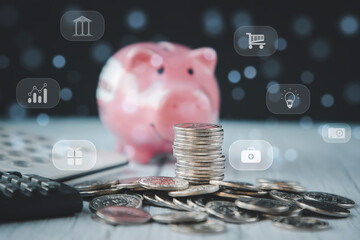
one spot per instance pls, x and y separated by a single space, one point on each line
273 87
32 58
66 94
349 25
213 22
4 62
43 119
243 42
238 93
59 61
307 77
250 72
271 68
302 26
351 93
241 18
306 122
234 76
16 112
290 154
320 49
101 51
327 100
281 44
136 20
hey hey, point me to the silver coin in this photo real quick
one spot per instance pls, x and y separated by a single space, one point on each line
123 215
195 190
247 193
198 142
95 184
199 168
192 173
167 201
235 185
100 192
195 206
197 145
323 208
286 188
164 183
181 203
128 183
228 212
197 126
285 196
200 165
265 180
300 223
197 153
228 195
208 227
115 200
150 198
262 205
208 158
180 217
330 198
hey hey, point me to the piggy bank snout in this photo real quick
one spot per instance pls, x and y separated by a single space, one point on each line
181 106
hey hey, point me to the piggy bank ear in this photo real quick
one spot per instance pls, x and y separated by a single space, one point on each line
138 56
206 56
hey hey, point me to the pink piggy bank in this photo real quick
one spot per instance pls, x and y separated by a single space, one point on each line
146 88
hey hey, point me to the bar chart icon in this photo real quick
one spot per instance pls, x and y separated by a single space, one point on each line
38 93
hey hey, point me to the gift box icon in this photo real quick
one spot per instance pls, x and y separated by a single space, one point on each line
74 157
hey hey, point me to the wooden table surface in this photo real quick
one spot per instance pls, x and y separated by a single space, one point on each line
317 165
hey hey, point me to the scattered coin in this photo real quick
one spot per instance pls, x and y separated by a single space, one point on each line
262 205
330 198
100 192
229 195
195 190
324 208
180 217
302 223
115 200
282 187
150 198
195 206
163 183
95 184
181 203
167 201
247 193
228 212
285 196
123 215
264 180
208 227
240 186
128 183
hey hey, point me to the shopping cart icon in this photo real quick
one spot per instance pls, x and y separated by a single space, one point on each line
256 39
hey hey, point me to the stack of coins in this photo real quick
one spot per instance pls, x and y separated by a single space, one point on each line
198 150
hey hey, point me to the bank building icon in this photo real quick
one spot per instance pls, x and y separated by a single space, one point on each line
82 27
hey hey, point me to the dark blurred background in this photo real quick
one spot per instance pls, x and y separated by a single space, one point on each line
318 47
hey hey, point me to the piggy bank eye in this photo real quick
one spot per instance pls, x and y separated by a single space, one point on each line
160 70
190 71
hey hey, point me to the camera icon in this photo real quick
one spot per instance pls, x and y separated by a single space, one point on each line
336 133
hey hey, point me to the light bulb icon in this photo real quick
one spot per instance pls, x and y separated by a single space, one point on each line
289 97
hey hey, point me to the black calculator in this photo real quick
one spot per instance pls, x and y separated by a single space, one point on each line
29 196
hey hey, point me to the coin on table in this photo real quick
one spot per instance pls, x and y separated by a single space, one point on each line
195 190
262 205
195 206
235 185
123 215
228 195
180 217
294 210
150 198
208 227
280 187
115 200
285 196
265 180
247 193
167 201
99 192
330 198
181 203
197 127
164 183
300 223
323 208
95 184
228 212
128 183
